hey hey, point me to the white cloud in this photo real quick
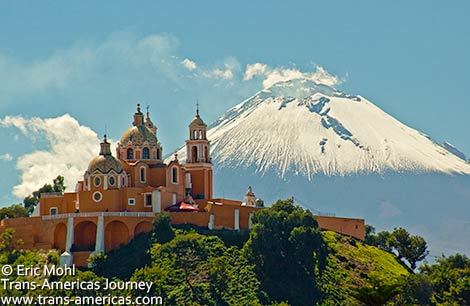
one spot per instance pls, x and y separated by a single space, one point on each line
70 148
225 73
6 157
272 76
253 70
189 64
120 54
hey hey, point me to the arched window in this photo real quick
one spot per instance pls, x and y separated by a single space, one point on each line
146 153
174 175
142 175
200 134
159 154
194 134
130 153
206 154
194 154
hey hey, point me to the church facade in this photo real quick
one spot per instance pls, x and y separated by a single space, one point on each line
120 195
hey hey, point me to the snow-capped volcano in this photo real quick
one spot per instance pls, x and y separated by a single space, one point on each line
342 154
306 128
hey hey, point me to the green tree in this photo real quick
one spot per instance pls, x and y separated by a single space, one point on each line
417 290
450 280
378 293
401 241
162 230
370 237
410 247
122 262
417 251
31 201
13 211
259 203
287 250
381 239
193 269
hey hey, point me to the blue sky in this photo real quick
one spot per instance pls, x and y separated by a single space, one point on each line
95 60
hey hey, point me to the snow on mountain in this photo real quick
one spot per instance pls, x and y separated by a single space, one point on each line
306 128
449 147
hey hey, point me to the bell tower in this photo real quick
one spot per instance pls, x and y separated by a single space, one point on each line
198 160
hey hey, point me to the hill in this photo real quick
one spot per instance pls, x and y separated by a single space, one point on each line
353 264
283 260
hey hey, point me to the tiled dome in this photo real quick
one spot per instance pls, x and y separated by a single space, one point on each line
104 164
138 136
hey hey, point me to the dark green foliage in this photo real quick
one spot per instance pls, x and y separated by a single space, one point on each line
162 230
417 290
193 269
259 203
378 293
370 234
412 248
122 263
8 254
447 282
13 211
288 251
31 201
450 279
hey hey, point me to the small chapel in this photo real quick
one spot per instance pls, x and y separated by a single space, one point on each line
120 195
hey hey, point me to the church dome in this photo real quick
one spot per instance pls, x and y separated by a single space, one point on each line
138 136
104 164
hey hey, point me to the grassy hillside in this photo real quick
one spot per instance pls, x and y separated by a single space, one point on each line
351 264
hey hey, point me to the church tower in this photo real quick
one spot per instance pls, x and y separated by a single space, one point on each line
198 160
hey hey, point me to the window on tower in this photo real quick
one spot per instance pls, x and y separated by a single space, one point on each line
146 153
142 175
174 175
159 154
130 153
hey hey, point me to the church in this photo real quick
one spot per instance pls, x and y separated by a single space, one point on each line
120 195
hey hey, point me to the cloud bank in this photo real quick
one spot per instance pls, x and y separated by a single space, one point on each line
70 148
272 76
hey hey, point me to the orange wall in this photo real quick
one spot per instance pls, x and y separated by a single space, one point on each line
346 226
